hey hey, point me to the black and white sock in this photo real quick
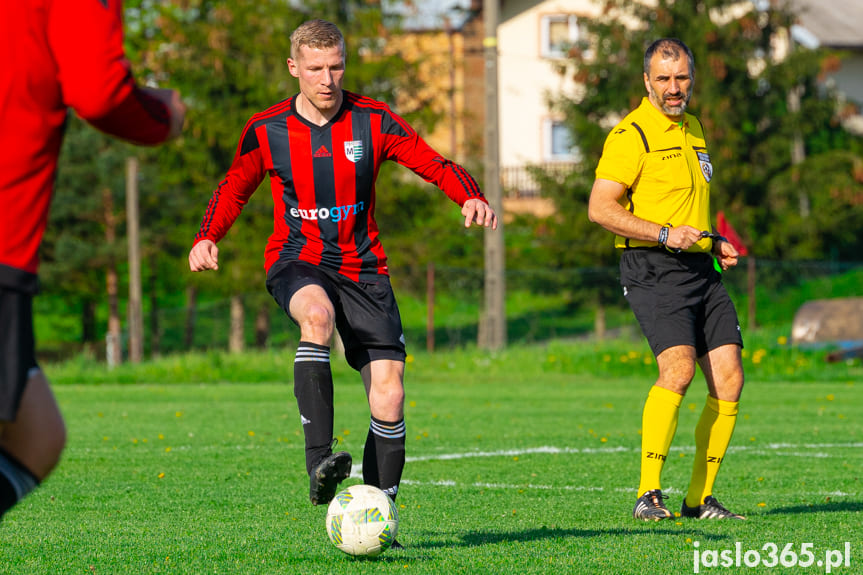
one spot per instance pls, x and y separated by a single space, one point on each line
384 455
313 388
16 481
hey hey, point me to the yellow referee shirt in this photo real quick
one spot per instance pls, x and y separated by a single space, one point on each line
666 170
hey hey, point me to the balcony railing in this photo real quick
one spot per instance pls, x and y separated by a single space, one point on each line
519 181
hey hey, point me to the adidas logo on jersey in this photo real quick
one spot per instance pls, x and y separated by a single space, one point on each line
323 152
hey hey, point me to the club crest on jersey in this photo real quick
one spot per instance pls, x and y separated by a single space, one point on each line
354 150
706 166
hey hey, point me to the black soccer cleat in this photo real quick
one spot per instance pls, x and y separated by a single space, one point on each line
710 509
326 476
650 507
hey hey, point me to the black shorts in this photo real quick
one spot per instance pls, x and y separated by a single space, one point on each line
367 315
17 349
678 299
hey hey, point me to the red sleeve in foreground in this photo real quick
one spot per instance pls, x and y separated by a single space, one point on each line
86 38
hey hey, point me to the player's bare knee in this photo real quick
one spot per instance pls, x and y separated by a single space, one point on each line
676 377
389 396
56 443
317 323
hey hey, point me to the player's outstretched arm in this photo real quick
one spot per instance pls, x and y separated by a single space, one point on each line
204 256
478 211
174 103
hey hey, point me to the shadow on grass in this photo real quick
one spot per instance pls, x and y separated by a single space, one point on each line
480 538
826 507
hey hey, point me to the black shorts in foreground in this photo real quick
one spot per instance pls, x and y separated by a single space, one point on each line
678 299
17 349
367 315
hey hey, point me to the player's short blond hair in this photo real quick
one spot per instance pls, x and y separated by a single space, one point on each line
317 34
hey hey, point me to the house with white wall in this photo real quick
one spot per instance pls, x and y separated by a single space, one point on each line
534 38
837 25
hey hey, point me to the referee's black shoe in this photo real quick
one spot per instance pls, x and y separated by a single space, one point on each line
710 509
326 476
650 506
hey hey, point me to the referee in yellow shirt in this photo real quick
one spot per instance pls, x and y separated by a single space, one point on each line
652 190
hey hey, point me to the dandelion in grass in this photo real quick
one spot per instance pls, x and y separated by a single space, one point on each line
251 433
830 397
409 358
161 475
762 504
782 340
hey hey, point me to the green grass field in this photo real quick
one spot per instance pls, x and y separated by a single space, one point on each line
524 461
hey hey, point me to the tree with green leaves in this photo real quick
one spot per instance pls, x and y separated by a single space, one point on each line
741 95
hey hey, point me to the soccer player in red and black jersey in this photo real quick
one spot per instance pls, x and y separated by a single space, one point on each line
326 268
56 54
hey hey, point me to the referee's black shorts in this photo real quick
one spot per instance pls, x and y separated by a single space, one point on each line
17 349
678 299
367 315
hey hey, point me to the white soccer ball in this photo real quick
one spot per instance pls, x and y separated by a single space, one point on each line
362 521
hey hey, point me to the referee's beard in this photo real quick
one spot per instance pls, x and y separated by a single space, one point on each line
671 111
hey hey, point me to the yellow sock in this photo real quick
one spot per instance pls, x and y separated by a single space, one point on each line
658 424
712 436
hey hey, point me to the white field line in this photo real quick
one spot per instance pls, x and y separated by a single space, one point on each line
771 449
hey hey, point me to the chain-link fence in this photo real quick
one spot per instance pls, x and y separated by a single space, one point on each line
541 304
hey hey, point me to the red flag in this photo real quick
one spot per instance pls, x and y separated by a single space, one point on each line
725 230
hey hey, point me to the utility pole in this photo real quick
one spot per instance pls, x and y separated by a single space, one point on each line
492 327
136 313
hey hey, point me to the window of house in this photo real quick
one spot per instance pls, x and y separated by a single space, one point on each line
559 33
559 142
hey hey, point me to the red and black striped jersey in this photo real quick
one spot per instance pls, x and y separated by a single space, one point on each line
323 182
58 54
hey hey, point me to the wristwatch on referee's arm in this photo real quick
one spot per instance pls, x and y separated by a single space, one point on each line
663 239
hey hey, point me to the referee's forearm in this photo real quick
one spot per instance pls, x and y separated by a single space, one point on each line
621 222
